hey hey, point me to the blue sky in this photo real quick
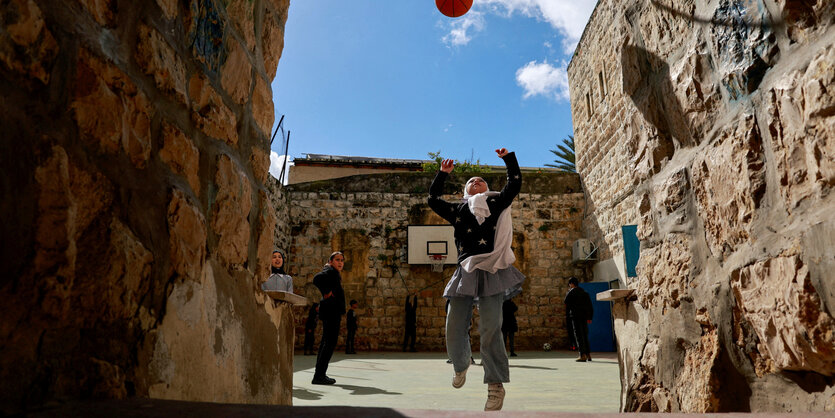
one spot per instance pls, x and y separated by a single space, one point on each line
398 79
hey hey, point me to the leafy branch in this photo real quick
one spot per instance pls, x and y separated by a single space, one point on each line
565 153
465 167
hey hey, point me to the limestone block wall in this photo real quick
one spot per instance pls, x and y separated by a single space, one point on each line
367 216
134 149
712 131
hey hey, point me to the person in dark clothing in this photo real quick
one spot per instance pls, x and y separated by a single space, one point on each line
331 309
411 324
310 329
578 313
509 325
352 328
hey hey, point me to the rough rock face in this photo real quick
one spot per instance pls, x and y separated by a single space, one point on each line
723 113
776 297
729 184
135 150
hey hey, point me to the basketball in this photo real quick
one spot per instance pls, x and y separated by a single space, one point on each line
454 8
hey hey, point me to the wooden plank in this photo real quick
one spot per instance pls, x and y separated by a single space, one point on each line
614 294
291 298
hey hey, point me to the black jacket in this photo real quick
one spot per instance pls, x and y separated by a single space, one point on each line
578 305
329 280
470 237
352 320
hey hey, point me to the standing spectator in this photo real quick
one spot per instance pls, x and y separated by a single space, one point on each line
411 324
310 329
509 325
279 280
331 309
578 313
352 328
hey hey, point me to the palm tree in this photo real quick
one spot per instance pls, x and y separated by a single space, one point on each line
565 152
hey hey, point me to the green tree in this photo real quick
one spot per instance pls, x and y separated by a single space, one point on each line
464 167
565 153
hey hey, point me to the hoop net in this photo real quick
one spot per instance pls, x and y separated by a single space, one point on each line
437 262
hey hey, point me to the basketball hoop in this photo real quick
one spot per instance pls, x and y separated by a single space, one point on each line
437 261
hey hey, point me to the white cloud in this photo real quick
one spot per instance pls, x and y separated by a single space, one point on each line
543 79
568 17
276 163
461 29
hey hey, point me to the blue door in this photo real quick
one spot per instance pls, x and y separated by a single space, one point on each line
601 331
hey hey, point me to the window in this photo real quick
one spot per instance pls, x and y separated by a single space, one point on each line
602 85
588 105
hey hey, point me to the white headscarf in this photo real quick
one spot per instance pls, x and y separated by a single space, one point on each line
502 255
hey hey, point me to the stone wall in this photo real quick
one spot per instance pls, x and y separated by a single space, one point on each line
713 132
367 216
135 217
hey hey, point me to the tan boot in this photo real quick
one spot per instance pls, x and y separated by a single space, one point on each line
582 358
495 397
458 378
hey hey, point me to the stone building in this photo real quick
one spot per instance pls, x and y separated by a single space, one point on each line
366 217
134 148
315 167
712 131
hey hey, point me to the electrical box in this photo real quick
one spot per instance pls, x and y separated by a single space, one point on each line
583 250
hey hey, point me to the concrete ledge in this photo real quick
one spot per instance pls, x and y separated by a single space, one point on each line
288 297
615 294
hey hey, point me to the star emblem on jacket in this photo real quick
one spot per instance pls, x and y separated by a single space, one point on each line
482 242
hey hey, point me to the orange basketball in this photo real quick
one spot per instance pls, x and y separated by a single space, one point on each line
454 8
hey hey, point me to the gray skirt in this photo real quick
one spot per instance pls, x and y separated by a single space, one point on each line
482 283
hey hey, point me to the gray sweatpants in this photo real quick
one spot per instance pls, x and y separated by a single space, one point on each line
493 355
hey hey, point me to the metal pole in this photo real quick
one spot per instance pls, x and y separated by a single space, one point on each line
284 165
276 130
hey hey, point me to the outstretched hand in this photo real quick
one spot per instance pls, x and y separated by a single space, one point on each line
447 165
501 152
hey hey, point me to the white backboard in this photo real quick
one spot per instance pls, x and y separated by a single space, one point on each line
426 239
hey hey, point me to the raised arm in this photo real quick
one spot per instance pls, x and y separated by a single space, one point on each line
443 208
514 179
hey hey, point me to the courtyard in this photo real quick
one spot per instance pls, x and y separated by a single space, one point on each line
540 381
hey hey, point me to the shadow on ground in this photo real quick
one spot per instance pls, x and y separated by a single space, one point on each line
521 366
308 395
366 390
